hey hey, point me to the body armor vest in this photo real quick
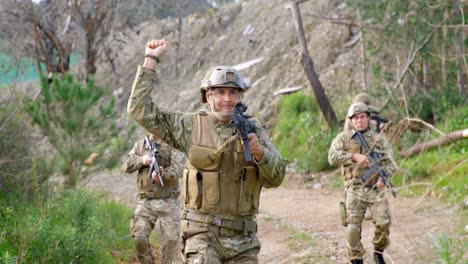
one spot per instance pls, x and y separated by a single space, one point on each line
354 170
146 184
218 181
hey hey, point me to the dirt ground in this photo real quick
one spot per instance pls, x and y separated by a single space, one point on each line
299 222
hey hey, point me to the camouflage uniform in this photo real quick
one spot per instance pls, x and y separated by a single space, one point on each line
359 197
221 191
155 202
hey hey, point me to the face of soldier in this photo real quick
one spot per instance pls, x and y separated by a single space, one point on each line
360 121
222 101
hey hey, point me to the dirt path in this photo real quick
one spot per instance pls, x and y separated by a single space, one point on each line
298 224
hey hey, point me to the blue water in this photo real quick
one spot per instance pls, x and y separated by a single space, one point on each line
27 70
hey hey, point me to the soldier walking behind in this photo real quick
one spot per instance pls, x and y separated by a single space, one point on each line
221 190
361 192
154 200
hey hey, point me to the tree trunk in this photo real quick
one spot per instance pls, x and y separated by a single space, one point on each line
460 50
308 65
177 49
426 75
444 52
449 138
90 55
363 54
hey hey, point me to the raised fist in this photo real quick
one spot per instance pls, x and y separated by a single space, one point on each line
156 47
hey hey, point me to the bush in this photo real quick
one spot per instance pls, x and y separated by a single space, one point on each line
444 166
75 227
433 106
22 172
74 119
301 134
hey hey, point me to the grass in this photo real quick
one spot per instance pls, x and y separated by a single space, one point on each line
74 226
301 134
442 169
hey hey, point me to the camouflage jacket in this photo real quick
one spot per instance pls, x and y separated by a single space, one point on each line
175 128
167 159
343 146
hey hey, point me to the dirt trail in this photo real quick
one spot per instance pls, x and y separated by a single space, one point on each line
298 224
287 213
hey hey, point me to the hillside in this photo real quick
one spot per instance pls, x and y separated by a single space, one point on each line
239 33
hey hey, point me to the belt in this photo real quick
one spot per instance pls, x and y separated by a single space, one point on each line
247 225
158 194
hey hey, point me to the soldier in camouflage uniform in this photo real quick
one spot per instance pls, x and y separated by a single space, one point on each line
155 201
221 190
347 153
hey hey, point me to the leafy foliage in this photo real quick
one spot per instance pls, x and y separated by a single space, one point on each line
445 167
74 227
74 119
301 133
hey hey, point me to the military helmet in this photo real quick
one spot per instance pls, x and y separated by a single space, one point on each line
356 108
362 97
221 76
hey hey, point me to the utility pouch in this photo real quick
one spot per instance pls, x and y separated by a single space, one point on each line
343 214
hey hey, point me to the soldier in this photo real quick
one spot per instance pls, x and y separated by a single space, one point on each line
221 190
345 151
155 201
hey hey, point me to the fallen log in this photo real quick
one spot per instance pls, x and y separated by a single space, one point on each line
448 138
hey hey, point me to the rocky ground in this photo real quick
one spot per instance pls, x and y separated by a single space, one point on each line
299 222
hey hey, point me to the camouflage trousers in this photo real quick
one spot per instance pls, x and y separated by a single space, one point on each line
358 199
205 244
147 212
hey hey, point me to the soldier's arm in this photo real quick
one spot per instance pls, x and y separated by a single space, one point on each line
176 168
388 162
133 161
170 126
271 166
337 155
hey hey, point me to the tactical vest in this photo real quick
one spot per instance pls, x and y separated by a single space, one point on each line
217 180
146 186
352 171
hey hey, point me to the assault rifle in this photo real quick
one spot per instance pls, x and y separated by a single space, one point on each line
374 159
154 149
243 127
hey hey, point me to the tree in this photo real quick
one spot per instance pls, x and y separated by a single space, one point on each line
414 49
44 32
308 64
74 119
96 19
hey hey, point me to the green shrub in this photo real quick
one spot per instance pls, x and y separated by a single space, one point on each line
75 227
301 134
444 167
433 106
75 119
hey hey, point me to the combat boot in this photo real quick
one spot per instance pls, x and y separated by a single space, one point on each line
357 261
378 257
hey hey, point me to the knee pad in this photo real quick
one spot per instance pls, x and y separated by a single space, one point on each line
142 244
354 234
